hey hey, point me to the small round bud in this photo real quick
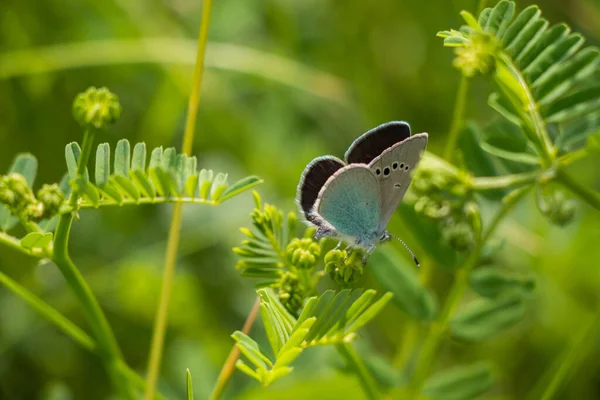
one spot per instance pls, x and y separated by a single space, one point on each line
96 107
303 253
51 197
291 292
477 55
559 209
343 269
15 193
459 236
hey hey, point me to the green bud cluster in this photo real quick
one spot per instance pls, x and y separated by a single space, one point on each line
16 194
478 55
442 194
303 253
343 269
291 292
96 108
558 209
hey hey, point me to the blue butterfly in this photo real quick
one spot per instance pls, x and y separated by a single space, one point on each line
354 200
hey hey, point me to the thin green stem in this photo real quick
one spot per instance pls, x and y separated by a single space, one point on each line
15 243
589 196
50 313
409 338
439 327
229 365
457 118
568 363
66 326
107 344
367 382
158 335
505 181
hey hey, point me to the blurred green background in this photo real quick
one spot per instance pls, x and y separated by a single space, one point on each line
287 80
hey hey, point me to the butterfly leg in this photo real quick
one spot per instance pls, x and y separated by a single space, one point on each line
338 245
367 254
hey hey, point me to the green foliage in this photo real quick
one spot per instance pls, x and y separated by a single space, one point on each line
483 318
537 66
398 275
328 319
168 177
494 282
460 383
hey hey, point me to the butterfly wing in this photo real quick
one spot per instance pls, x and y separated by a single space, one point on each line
313 178
350 202
393 169
374 142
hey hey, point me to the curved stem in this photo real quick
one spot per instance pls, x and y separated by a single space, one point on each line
107 344
567 364
439 327
158 335
589 196
229 365
457 118
15 243
367 382
505 181
65 325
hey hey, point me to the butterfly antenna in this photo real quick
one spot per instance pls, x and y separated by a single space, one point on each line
407 249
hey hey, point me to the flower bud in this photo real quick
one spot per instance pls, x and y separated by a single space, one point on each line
303 253
459 236
291 292
477 55
343 269
96 107
51 197
559 209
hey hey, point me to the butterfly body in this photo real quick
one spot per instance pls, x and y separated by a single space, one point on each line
354 200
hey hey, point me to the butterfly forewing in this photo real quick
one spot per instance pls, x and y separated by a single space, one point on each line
374 142
313 178
350 201
393 169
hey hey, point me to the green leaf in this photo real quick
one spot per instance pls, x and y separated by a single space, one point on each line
370 313
138 161
143 183
72 152
36 240
112 192
499 18
493 282
548 38
122 157
26 165
102 164
484 318
398 276
205 182
460 383
521 30
218 187
574 105
189 389
522 158
240 186
89 191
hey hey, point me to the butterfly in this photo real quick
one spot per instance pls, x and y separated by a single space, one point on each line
354 200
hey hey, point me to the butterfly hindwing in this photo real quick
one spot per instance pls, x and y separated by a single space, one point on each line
393 169
316 173
374 142
350 202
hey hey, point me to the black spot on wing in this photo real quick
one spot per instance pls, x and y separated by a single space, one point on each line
372 143
313 178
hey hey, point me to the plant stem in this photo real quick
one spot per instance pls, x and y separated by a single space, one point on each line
367 382
158 335
589 196
567 364
505 181
457 118
439 327
408 341
229 365
65 325
107 344
15 243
